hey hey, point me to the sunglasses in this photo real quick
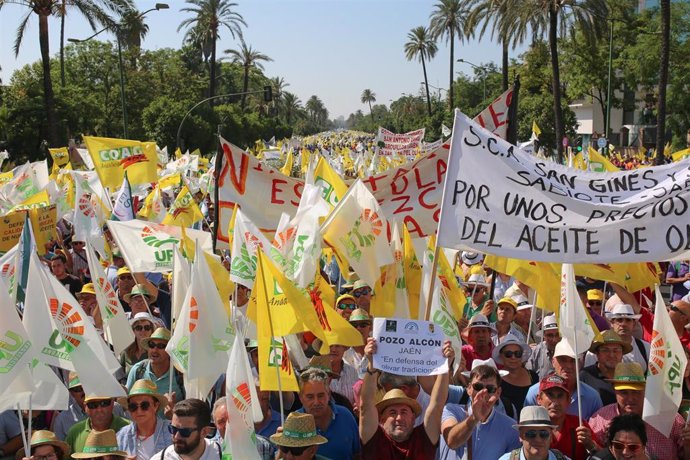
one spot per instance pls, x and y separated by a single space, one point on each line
293 450
97 404
160 346
617 445
532 434
677 310
491 389
510 354
144 406
361 292
594 302
184 432
347 306
76 390
143 328
362 324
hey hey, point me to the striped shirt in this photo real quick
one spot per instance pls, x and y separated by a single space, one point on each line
345 385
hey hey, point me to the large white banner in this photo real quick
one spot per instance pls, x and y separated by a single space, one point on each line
499 199
400 144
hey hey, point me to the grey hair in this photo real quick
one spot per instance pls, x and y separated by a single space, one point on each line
222 401
397 381
313 374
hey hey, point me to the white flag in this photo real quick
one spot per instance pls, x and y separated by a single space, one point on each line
15 347
115 321
36 387
356 229
182 277
667 362
575 325
123 209
445 130
242 405
247 239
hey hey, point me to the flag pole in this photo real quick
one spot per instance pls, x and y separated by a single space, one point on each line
577 380
21 425
28 433
270 325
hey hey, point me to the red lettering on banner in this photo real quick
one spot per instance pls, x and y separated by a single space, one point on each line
418 178
403 206
441 168
298 193
275 190
436 213
413 226
371 180
479 119
424 203
238 182
499 119
259 167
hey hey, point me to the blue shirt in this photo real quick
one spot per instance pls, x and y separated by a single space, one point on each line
272 426
127 437
342 434
162 383
490 439
591 401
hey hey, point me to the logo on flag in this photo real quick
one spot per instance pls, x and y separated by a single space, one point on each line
110 297
193 314
657 354
11 351
363 234
85 206
152 236
69 320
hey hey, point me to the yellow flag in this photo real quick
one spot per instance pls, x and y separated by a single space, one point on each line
231 225
6 177
579 162
681 155
304 159
641 275
535 129
12 225
112 157
383 302
184 211
598 163
337 330
413 273
44 225
60 156
287 167
36 200
540 276
333 186
171 180
178 153
274 360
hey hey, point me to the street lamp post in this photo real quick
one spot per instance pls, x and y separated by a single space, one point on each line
436 88
608 89
123 97
482 69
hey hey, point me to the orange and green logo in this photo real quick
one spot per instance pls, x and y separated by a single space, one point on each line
69 321
111 305
362 234
193 314
154 236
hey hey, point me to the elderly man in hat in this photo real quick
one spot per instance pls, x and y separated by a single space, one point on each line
299 438
477 334
536 436
158 367
75 410
505 314
595 299
629 384
100 417
362 293
541 360
609 350
387 428
147 434
623 321
45 445
479 428
564 362
140 299
569 436
478 302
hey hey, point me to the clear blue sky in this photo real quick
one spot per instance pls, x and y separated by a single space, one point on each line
331 48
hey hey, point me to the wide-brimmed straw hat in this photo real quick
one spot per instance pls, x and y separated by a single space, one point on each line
159 334
485 362
139 289
299 430
359 314
100 444
610 337
622 310
43 438
475 279
397 396
628 376
323 363
143 387
471 258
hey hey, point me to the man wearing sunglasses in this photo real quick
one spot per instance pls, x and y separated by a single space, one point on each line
345 305
191 423
480 429
299 439
99 417
536 434
595 299
148 433
362 294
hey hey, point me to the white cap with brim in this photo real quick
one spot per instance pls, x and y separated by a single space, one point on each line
534 416
563 348
485 362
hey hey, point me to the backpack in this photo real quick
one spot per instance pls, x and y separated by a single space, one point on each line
515 455
139 374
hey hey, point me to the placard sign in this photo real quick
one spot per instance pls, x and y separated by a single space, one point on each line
407 347
500 200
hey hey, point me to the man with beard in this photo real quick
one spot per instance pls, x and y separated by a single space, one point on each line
191 423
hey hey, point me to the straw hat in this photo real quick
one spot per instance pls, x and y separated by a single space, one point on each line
100 444
139 289
73 380
628 376
609 337
477 320
477 279
510 339
550 323
159 334
359 284
359 314
323 363
88 288
397 396
299 430
143 387
43 438
534 416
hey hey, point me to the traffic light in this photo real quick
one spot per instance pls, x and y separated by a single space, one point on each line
578 144
268 93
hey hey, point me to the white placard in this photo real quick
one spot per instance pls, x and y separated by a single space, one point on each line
408 347
500 200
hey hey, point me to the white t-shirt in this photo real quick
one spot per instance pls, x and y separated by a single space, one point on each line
145 448
211 452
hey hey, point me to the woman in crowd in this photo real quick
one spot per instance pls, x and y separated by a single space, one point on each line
511 354
626 440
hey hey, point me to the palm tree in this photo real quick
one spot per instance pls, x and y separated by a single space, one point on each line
665 9
485 12
368 96
44 9
448 20
421 46
543 16
279 84
132 29
290 104
249 58
204 26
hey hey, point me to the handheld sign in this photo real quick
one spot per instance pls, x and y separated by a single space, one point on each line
407 347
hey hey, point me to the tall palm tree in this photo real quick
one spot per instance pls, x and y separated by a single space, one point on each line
665 9
542 16
92 11
367 97
448 20
290 104
209 17
249 58
279 84
423 47
132 29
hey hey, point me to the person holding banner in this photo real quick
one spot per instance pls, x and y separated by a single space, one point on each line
387 429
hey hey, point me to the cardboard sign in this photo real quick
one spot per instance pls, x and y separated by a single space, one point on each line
407 347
